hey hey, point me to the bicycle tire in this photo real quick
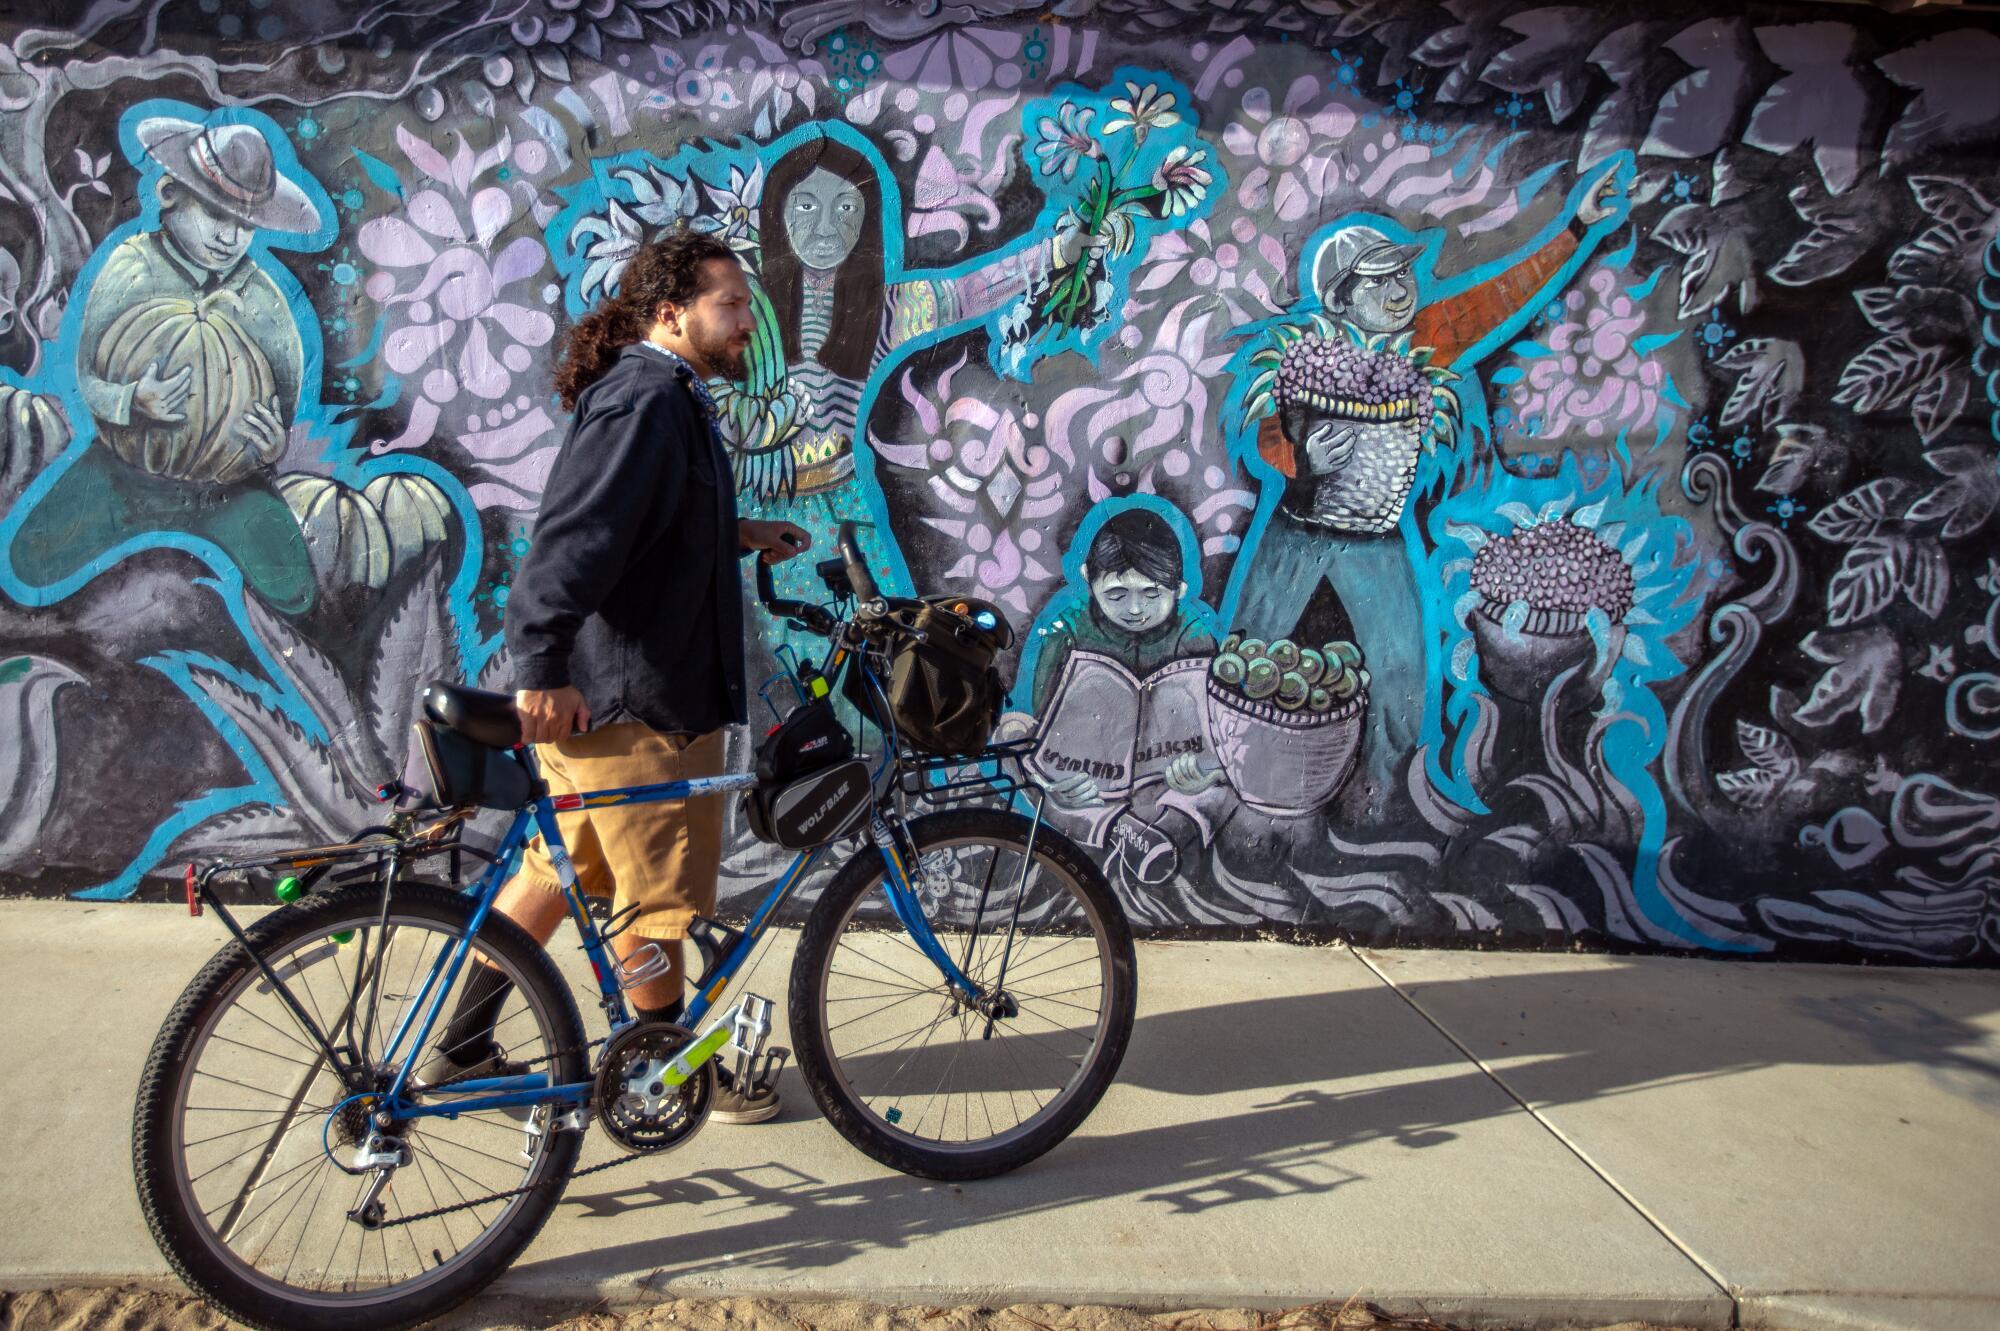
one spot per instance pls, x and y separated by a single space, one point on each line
174 1215
839 1081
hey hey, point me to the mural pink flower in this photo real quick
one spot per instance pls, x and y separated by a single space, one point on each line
1593 378
963 59
1295 149
1159 400
445 293
1239 269
991 484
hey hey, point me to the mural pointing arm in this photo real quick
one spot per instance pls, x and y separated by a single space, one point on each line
1467 325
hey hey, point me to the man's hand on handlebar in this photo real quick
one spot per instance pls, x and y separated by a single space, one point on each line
548 715
776 541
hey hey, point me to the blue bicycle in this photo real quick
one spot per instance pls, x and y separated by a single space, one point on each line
961 994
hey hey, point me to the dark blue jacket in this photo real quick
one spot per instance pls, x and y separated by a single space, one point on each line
631 590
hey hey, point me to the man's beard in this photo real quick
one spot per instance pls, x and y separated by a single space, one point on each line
725 361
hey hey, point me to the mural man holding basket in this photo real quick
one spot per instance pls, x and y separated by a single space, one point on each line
1344 407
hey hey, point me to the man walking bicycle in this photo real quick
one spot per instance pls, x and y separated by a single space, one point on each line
625 626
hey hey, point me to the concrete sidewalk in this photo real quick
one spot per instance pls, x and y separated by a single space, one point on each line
1535 1140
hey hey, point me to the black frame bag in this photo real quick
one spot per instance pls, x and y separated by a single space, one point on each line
811 789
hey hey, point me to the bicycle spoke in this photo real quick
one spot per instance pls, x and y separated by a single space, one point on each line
1014 919
258 1183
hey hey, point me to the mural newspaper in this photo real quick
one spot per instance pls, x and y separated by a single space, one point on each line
1468 473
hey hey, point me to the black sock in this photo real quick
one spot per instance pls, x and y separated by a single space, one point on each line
671 1012
470 1030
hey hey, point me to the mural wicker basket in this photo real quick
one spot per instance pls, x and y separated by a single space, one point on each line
1367 495
1281 762
1521 666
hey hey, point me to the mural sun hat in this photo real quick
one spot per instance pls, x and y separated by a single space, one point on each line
1359 249
230 168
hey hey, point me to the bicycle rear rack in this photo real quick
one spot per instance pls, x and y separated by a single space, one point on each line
995 772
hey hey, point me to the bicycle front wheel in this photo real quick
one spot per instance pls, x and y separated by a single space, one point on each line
924 1081
241 1120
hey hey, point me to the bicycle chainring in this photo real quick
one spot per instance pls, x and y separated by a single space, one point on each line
636 1108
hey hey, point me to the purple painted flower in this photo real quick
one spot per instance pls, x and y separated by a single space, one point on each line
1593 380
1182 180
1066 140
1295 151
996 492
1240 268
447 297
963 59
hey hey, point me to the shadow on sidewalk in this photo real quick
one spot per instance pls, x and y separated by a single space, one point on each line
1318 1061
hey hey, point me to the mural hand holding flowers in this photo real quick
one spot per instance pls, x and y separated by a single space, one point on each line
1133 173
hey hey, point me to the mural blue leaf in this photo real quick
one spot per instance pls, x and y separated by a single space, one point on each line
379 173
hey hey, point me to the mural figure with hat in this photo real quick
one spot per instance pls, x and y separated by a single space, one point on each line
1342 418
189 363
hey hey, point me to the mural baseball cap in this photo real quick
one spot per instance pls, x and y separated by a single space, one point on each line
1359 249
229 167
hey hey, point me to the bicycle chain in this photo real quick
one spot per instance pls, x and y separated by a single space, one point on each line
435 1212
456 1207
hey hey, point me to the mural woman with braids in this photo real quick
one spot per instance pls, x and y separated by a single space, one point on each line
824 269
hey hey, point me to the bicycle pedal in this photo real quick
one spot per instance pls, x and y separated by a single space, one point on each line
751 1028
748 1075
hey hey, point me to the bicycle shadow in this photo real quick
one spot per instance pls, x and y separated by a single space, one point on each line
1328 1073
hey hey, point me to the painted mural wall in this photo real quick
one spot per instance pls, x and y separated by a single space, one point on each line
1464 473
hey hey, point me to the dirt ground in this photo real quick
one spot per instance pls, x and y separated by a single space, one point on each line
134 1309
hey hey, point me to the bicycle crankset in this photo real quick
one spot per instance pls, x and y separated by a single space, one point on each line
636 1107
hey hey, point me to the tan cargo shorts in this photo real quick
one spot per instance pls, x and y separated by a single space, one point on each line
663 856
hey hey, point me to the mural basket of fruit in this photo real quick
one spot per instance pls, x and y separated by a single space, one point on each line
1384 396
1285 720
1537 586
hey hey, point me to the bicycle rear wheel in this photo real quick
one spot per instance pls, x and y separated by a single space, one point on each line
238 1110
919 1079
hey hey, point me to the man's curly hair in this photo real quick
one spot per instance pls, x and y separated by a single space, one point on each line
664 271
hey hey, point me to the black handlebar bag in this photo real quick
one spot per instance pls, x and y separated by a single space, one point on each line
943 695
811 789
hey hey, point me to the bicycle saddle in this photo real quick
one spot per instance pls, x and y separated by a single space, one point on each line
482 717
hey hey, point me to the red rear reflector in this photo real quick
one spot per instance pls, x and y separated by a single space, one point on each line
772 731
568 802
194 902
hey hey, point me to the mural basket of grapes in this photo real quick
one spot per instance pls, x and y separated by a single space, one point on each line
1383 397
1538 586
1285 720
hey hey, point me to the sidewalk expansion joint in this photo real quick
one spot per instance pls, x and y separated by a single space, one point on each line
1568 1143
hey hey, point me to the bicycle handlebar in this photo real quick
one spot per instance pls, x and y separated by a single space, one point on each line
866 595
873 610
812 618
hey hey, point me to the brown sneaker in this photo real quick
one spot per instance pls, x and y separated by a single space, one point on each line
756 1105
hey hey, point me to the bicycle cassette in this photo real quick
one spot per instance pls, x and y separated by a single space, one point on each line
636 1107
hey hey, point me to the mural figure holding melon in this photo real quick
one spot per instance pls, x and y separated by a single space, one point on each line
191 366
1342 408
